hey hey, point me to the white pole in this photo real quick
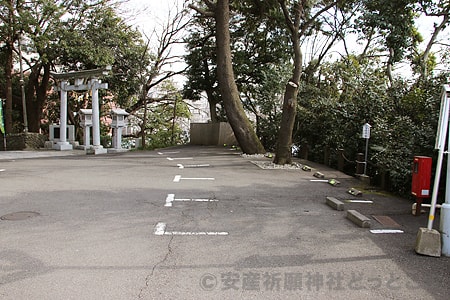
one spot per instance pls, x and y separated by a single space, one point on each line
63 113
365 159
95 114
437 178
445 208
441 136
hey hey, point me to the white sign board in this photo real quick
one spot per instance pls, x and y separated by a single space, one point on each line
366 131
443 119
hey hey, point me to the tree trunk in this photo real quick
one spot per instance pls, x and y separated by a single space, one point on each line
283 153
212 106
8 87
242 128
36 96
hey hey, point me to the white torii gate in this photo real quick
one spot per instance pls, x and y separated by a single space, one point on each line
83 80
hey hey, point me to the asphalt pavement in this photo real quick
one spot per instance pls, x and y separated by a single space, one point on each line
197 222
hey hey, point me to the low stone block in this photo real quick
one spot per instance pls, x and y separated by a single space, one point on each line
358 218
306 168
335 203
319 175
334 182
354 192
95 150
428 242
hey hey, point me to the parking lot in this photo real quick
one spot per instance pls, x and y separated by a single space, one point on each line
197 222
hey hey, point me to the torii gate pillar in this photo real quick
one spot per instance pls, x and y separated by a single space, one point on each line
63 144
96 147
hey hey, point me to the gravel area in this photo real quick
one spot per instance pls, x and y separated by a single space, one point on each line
268 165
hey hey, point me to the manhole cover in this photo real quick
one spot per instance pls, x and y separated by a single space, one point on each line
18 216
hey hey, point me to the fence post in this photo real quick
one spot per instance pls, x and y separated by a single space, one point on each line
360 163
340 158
326 156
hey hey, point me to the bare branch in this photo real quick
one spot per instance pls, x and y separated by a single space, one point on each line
204 13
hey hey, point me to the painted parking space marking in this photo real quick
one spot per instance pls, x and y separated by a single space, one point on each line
193 166
171 198
318 180
193 233
359 201
2 170
160 229
179 158
172 152
178 178
381 231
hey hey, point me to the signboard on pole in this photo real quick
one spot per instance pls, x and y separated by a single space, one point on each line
366 131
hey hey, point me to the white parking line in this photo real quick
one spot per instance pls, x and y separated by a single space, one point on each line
177 178
171 198
359 201
386 231
172 152
209 233
179 158
195 200
192 166
160 229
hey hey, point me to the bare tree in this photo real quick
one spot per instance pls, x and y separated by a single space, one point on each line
163 59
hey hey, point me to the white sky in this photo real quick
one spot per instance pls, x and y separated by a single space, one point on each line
150 15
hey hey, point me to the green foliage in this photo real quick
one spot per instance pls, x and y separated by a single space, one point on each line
163 126
394 20
348 94
104 39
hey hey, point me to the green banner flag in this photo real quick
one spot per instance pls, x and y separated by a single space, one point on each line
2 124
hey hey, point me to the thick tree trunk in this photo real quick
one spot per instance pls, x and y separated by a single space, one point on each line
36 96
284 144
283 153
242 128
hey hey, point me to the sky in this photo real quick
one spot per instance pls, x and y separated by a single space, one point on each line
149 15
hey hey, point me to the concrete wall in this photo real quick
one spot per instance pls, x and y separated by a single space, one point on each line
212 134
23 141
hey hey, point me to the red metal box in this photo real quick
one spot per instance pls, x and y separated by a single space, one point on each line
421 176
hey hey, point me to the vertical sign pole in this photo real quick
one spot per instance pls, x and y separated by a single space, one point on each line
366 135
445 208
441 136
365 158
